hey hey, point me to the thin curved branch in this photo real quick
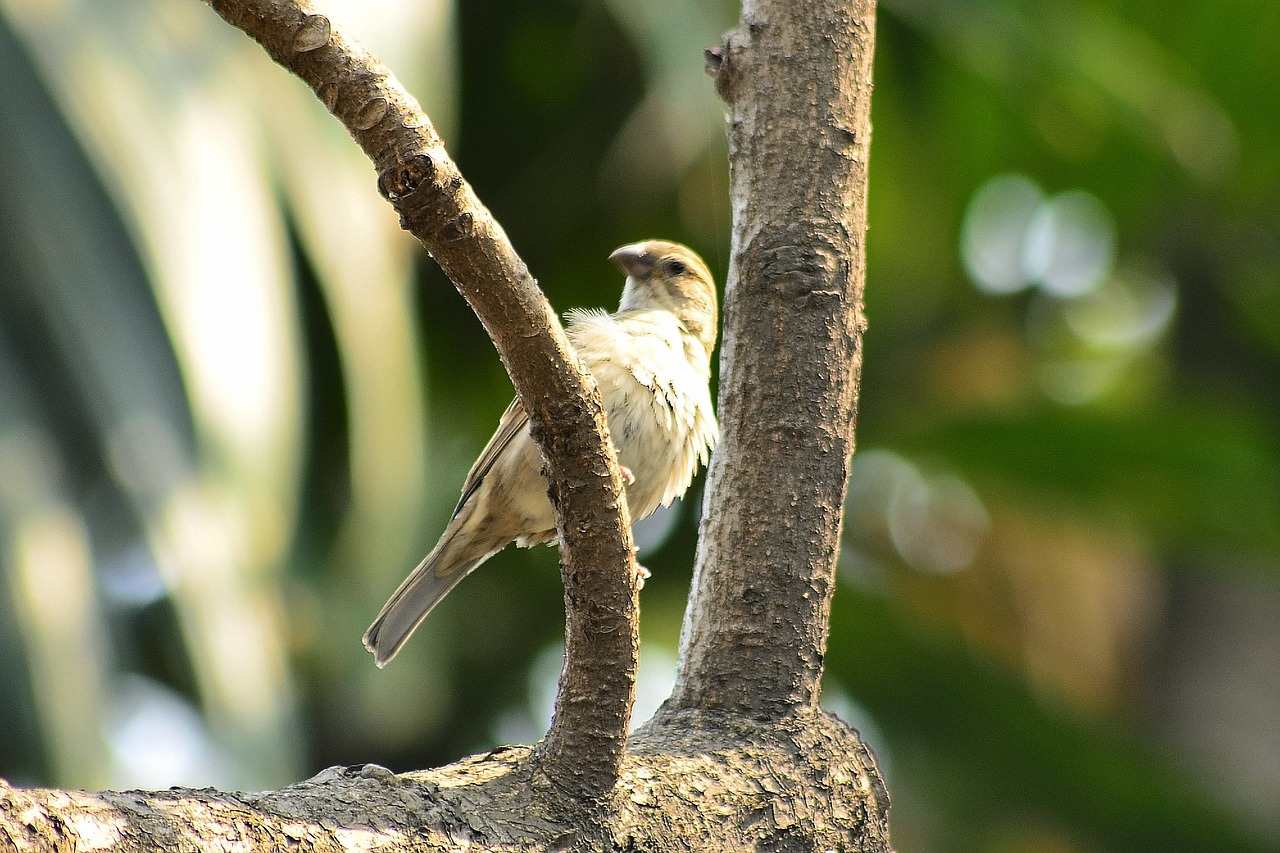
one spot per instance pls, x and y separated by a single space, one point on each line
582 752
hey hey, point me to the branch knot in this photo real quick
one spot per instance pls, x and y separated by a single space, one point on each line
721 65
312 34
374 111
405 178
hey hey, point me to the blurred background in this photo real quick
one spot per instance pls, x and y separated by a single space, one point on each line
237 404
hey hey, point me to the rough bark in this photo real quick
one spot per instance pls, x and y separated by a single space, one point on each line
797 77
582 750
739 758
709 782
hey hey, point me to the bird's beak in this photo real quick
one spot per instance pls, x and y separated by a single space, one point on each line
633 260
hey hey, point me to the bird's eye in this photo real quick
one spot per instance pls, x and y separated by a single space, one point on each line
675 267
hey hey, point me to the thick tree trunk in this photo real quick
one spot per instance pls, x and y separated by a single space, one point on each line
740 757
797 77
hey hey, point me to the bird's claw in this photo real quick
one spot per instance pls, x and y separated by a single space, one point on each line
628 478
642 575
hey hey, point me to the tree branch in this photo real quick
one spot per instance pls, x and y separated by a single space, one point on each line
797 77
705 783
582 752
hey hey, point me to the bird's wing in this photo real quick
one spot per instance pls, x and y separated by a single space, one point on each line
513 421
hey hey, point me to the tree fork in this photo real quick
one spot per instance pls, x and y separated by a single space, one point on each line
736 760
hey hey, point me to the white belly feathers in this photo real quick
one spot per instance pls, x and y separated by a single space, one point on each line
638 358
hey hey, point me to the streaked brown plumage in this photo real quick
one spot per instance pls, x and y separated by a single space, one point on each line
651 361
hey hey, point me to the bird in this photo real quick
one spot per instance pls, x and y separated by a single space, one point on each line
651 360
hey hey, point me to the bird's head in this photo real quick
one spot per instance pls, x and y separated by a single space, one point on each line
672 277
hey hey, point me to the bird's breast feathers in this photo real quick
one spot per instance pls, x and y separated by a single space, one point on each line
656 394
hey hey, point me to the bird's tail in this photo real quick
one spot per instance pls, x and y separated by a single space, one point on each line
431 581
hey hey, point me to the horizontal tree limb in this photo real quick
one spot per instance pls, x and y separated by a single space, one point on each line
691 781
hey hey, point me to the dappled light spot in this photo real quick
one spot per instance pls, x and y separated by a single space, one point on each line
1070 244
934 522
1015 237
158 738
994 235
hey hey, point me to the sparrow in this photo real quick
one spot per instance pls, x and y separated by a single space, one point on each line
651 360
